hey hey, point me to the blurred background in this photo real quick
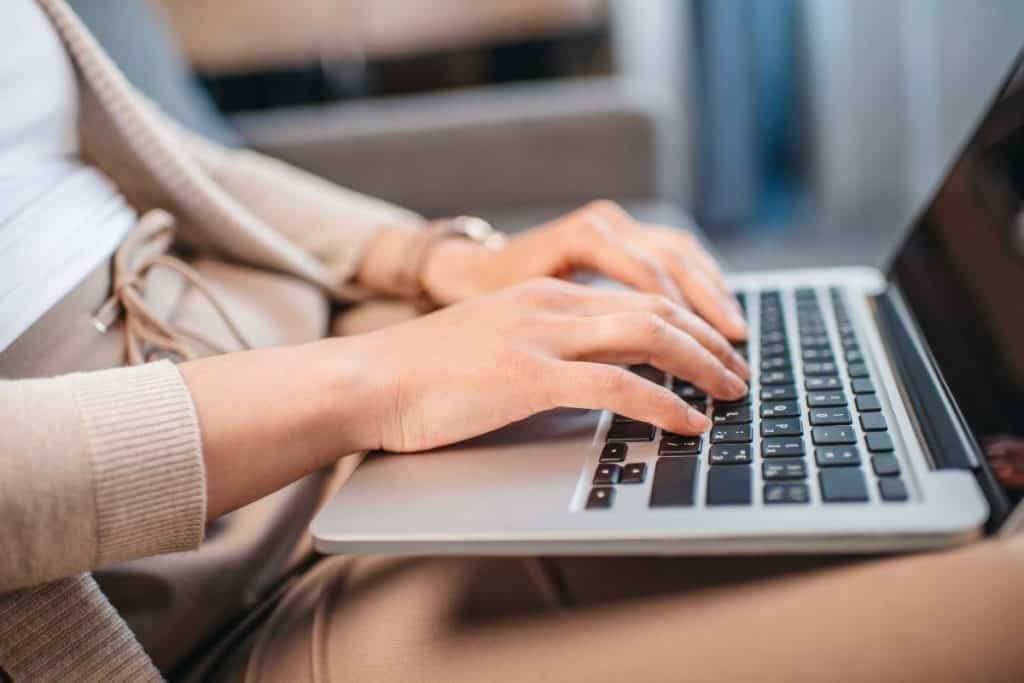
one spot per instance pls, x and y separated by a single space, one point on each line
796 132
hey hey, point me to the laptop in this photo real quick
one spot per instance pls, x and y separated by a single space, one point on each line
875 399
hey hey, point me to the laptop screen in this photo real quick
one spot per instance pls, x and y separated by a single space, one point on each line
961 271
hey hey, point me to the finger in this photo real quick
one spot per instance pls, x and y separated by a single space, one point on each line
710 302
689 245
594 244
646 338
592 301
608 387
683 247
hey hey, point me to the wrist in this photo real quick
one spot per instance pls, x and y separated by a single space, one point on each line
383 259
351 398
454 270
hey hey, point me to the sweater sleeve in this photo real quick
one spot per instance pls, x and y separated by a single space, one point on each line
331 222
98 468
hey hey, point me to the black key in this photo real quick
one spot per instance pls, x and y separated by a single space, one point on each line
607 474
600 498
862 386
842 485
892 489
830 416
677 444
788 493
873 422
730 415
833 436
773 337
633 473
854 357
688 392
729 455
878 442
622 418
783 409
649 372
613 452
822 383
698 404
771 350
820 355
673 482
815 341
778 393
781 427
858 370
885 464
631 431
850 343
820 368
729 486
731 434
825 399
745 401
785 468
777 377
776 363
781 446
836 456
867 403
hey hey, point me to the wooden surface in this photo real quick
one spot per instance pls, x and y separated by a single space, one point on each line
238 35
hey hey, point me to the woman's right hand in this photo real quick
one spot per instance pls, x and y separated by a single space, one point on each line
487 362
270 416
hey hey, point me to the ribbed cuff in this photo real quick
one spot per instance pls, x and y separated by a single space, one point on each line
144 445
68 631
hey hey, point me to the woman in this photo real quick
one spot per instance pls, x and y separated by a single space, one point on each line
120 469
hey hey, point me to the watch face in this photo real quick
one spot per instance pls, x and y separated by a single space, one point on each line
481 231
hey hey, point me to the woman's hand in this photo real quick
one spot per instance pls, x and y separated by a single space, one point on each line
600 238
484 363
268 417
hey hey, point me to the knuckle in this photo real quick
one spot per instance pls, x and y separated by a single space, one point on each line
651 327
613 380
660 305
550 293
650 268
688 239
536 287
605 206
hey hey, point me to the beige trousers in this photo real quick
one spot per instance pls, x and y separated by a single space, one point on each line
951 616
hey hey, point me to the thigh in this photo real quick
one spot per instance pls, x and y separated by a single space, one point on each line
949 616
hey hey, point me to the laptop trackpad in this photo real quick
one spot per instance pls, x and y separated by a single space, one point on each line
529 467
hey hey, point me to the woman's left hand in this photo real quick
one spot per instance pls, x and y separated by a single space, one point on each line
601 238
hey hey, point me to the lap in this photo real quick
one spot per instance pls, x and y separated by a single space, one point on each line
595 619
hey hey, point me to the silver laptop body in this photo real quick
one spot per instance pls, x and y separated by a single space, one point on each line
893 461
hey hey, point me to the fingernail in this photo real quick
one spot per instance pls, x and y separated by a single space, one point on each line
737 386
698 420
740 363
738 320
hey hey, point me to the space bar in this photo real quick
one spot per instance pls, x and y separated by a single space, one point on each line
673 482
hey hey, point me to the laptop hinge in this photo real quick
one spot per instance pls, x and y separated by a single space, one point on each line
939 422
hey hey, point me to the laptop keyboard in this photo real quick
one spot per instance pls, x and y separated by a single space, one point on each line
816 430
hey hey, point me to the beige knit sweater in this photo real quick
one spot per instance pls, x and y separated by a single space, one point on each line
102 467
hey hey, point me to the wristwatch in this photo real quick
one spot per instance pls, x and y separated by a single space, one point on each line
469 227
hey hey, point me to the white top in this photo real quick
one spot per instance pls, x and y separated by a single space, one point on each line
59 218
